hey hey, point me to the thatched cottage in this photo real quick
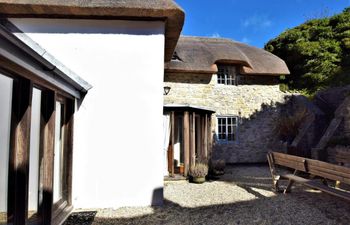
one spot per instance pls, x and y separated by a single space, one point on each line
222 101
81 95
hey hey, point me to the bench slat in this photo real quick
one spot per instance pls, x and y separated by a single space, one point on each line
328 166
333 175
290 164
329 176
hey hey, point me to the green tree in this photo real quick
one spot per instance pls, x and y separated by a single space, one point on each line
316 52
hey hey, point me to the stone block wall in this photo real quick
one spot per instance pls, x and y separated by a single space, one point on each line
258 103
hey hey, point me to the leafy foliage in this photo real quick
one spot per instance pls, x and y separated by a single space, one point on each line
287 126
199 170
316 52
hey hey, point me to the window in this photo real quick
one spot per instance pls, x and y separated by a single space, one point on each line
227 75
35 159
227 128
58 184
5 118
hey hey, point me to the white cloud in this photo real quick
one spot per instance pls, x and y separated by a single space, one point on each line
257 22
215 35
245 40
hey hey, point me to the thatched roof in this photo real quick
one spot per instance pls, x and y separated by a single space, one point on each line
165 10
200 55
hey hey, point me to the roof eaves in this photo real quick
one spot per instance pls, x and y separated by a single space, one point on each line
41 55
163 10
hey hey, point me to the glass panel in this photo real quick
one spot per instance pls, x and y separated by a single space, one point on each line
34 160
5 122
234 120
58 155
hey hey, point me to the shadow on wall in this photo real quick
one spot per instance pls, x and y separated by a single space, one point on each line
188 78
207 78
273 127
157 197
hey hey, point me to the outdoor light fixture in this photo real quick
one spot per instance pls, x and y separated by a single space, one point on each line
240 120
166 90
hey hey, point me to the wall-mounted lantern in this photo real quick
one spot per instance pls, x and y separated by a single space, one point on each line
166 90
240 119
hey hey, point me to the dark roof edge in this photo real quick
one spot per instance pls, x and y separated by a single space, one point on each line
48 61
172 14
188 106
169 70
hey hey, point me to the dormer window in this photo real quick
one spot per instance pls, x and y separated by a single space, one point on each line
227 75
175 57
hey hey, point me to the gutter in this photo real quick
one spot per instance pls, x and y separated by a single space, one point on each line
49 63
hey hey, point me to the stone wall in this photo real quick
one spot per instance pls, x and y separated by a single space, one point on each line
258 103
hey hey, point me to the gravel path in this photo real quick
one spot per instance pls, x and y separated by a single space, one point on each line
242 196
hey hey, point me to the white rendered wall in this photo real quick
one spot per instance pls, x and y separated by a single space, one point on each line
118 158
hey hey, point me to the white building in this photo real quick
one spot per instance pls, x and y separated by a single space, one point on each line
115 157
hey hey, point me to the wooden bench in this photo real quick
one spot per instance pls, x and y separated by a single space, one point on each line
311 168
342 157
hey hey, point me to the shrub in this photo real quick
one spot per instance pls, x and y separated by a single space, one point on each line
217 167
199 170
287 126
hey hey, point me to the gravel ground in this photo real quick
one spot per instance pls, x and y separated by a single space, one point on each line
242 196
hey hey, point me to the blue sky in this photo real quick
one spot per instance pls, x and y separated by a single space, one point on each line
254 22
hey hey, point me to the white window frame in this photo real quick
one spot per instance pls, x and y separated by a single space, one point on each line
235 127
227 75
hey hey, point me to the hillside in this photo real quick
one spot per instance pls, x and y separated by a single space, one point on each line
316 52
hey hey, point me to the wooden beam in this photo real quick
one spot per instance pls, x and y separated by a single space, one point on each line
68 147
203 131
186 139
47 145
210 138
198 137
19 145
205 143
193 139
172 118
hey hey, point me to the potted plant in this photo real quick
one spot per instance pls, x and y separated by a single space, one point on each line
182 168
198 173
217 167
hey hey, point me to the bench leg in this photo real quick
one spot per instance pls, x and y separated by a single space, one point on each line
275 177
337 184
289 187
290 184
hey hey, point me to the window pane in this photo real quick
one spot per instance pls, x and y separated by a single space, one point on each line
234 120
5 118
58 157
34 160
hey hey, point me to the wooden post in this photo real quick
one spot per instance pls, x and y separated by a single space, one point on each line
198 137
210 138
205 143
68 147
193 139
172 118
203 130
47 145
186 138
19 145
